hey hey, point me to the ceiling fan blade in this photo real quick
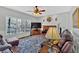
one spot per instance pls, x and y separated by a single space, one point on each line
42 10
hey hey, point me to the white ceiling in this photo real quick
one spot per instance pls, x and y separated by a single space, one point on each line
50 10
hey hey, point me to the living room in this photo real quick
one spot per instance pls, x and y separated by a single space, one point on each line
22 23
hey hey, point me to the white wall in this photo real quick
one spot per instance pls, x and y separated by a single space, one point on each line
64 19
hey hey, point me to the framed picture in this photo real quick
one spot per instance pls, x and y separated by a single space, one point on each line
49 19
76 18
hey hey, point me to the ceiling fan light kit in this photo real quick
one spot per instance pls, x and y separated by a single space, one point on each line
37 11
36 14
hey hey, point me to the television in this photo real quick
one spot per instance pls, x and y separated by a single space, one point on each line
36 25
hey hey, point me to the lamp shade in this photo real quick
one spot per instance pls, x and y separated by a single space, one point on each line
53 34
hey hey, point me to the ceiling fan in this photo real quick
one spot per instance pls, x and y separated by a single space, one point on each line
36 10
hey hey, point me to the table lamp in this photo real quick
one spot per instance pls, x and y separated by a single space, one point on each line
53 34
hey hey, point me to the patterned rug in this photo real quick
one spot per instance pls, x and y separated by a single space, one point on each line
31 44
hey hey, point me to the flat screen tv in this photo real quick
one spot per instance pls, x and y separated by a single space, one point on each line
35 25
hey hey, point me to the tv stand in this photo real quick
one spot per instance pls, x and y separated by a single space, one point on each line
36 31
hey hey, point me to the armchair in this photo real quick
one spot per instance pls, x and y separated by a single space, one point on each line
3 44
